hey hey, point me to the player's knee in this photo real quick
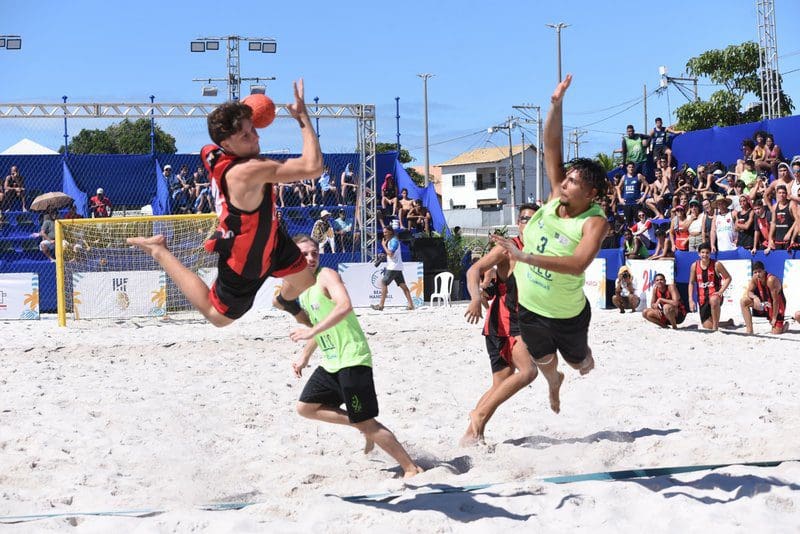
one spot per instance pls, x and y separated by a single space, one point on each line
305 409
529 375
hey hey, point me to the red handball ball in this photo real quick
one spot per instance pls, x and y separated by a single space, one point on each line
263 109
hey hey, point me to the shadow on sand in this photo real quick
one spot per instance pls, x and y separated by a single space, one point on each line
740 486
542 442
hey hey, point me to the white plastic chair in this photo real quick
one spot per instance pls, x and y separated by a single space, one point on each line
442 286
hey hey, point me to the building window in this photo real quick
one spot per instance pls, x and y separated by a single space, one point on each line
459 180
460 207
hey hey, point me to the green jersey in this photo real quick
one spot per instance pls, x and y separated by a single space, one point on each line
343 344
550 294
635 149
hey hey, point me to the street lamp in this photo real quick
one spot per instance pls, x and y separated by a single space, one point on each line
508 127
425 99
265 45
10 42
558 27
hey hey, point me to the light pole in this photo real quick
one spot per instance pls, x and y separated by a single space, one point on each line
425 100
558 27
265 45
508 127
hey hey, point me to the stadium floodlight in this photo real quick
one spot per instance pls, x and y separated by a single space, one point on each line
254 46
258 89
209 90
212 45
197 46
2 43
269 48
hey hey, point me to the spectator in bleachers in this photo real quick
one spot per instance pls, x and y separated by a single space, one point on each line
658 198
660 142
48 234
343 230
774 154
308 192
644 230
780 234
282 226
679 229
631 192
793 187
761 154
624 291
745 224
764 298
389 193
696 219
784 177
634 149
631 247
709 212
666 307
173 184
72 212
184 199
14 189
204 203
419 218
327 188
704 182
322 232
405 206
748 146
762 222
349 185
723 231
200 180
711 279
100 205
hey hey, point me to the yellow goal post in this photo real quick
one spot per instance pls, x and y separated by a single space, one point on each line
90 252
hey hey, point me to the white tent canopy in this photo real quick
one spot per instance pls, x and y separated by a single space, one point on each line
26 147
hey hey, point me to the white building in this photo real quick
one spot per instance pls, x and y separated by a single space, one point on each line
480 181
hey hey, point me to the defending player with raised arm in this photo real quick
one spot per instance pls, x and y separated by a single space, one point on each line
512 366
345 374
250 243
561 240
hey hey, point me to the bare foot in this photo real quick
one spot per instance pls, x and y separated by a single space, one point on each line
555 399
408 473
369 444
474 434
588 364
150 245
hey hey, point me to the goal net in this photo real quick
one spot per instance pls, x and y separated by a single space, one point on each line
100 276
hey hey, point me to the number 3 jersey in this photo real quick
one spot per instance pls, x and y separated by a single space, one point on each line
342 345
547 293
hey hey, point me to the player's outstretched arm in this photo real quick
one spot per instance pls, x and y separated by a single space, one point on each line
553 137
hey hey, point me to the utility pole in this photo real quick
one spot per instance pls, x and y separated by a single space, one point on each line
523 198
645 108
508 126
578 134
425 77
558 27
539 158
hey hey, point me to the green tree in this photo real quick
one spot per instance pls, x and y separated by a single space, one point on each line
125 137
735 67
607 160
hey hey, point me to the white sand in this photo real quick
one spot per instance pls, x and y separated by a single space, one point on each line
172 416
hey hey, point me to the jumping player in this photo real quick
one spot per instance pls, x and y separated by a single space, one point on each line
345 374
250 244
561 240
765 297
507 352
712 279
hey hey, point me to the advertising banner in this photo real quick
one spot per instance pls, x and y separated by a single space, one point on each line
644 273
119 294
363 282
19 296
595 285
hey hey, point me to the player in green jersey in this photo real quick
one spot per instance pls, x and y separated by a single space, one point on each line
561 240
345 374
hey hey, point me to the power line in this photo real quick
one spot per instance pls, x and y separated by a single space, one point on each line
639 98
450 140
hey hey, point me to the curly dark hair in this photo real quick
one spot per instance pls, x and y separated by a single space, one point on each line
590 172
226 120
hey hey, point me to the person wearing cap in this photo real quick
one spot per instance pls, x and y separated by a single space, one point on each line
723 231
389 193
100 205
696 221
322 232
249 244
394 268
624 291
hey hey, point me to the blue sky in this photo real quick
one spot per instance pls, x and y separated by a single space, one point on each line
486 57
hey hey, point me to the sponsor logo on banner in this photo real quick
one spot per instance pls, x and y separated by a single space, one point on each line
741 273
791 286
644 274
363 294
595 283
19 296
119 294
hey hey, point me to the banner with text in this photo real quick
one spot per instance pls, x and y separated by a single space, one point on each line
741 272
595 285
791 286
363 282
19 296
119 294
644 273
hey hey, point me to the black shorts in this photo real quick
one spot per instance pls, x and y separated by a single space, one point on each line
397 276
544 335
232 295
351 386
499 350
705 310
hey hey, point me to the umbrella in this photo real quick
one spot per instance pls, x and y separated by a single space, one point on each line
55 200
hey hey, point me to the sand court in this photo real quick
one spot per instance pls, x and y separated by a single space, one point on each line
178 420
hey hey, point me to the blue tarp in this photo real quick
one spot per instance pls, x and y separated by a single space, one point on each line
725 143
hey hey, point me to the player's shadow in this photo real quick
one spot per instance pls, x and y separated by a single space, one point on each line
542 442
452 501
740 486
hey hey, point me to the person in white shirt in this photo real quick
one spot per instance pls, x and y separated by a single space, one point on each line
723 231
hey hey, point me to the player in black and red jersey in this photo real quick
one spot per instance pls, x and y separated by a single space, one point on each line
512 365
666 307
712 279
249 241
764 298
